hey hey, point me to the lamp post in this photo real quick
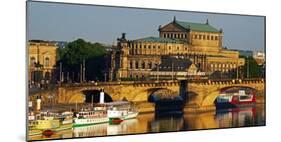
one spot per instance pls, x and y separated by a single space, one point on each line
248 67
157 66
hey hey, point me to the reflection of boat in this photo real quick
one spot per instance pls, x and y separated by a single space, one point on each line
235 99
47 123
235 117
104 129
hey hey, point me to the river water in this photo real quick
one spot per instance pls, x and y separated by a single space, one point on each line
148 123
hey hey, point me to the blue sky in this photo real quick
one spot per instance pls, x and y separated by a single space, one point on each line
67 22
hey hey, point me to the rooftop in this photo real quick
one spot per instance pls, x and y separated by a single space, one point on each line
167 63
158 39
202 27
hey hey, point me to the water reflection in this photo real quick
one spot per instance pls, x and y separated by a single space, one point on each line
105 129
146 123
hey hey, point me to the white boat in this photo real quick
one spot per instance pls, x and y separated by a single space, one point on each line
113 112
90 117
120 111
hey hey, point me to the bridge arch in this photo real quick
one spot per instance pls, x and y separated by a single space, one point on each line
160 93
94 95
210 99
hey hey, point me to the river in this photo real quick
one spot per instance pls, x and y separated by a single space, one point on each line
148 123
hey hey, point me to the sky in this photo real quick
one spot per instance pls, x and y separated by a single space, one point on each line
68 22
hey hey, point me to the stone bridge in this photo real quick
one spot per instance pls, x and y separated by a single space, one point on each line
201 93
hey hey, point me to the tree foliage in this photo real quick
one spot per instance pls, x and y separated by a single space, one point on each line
251 66
73 55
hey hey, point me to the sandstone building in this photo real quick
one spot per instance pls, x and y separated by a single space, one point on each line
42 57
199 43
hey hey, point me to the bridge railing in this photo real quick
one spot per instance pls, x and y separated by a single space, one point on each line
205 81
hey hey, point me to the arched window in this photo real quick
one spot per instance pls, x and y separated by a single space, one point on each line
137 65
47 61
32 61
131 65
149 65
143 65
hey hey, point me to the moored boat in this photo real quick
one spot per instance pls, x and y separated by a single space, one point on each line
235 99
119 111
90 117
46 123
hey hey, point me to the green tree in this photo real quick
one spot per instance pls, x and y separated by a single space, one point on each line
251 66
73 55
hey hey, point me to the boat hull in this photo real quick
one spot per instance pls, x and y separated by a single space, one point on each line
231 105
89 121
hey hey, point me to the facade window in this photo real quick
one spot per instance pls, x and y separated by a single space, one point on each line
150 65
200 36
144 46
47 61
169 47
154 47
32 61
164 35
131 65
140 46
137 65
208 37
178 48
148 46
181 35
212 38
158 46
195 36
204 37
216 37
185 48
143 65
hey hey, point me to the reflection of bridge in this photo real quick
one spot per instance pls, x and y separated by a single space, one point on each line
201 93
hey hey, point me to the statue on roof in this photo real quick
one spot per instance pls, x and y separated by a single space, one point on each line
123 37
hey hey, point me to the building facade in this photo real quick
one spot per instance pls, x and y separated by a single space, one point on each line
200 43
42 58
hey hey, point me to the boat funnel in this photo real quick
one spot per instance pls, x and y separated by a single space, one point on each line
102 97
38 103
